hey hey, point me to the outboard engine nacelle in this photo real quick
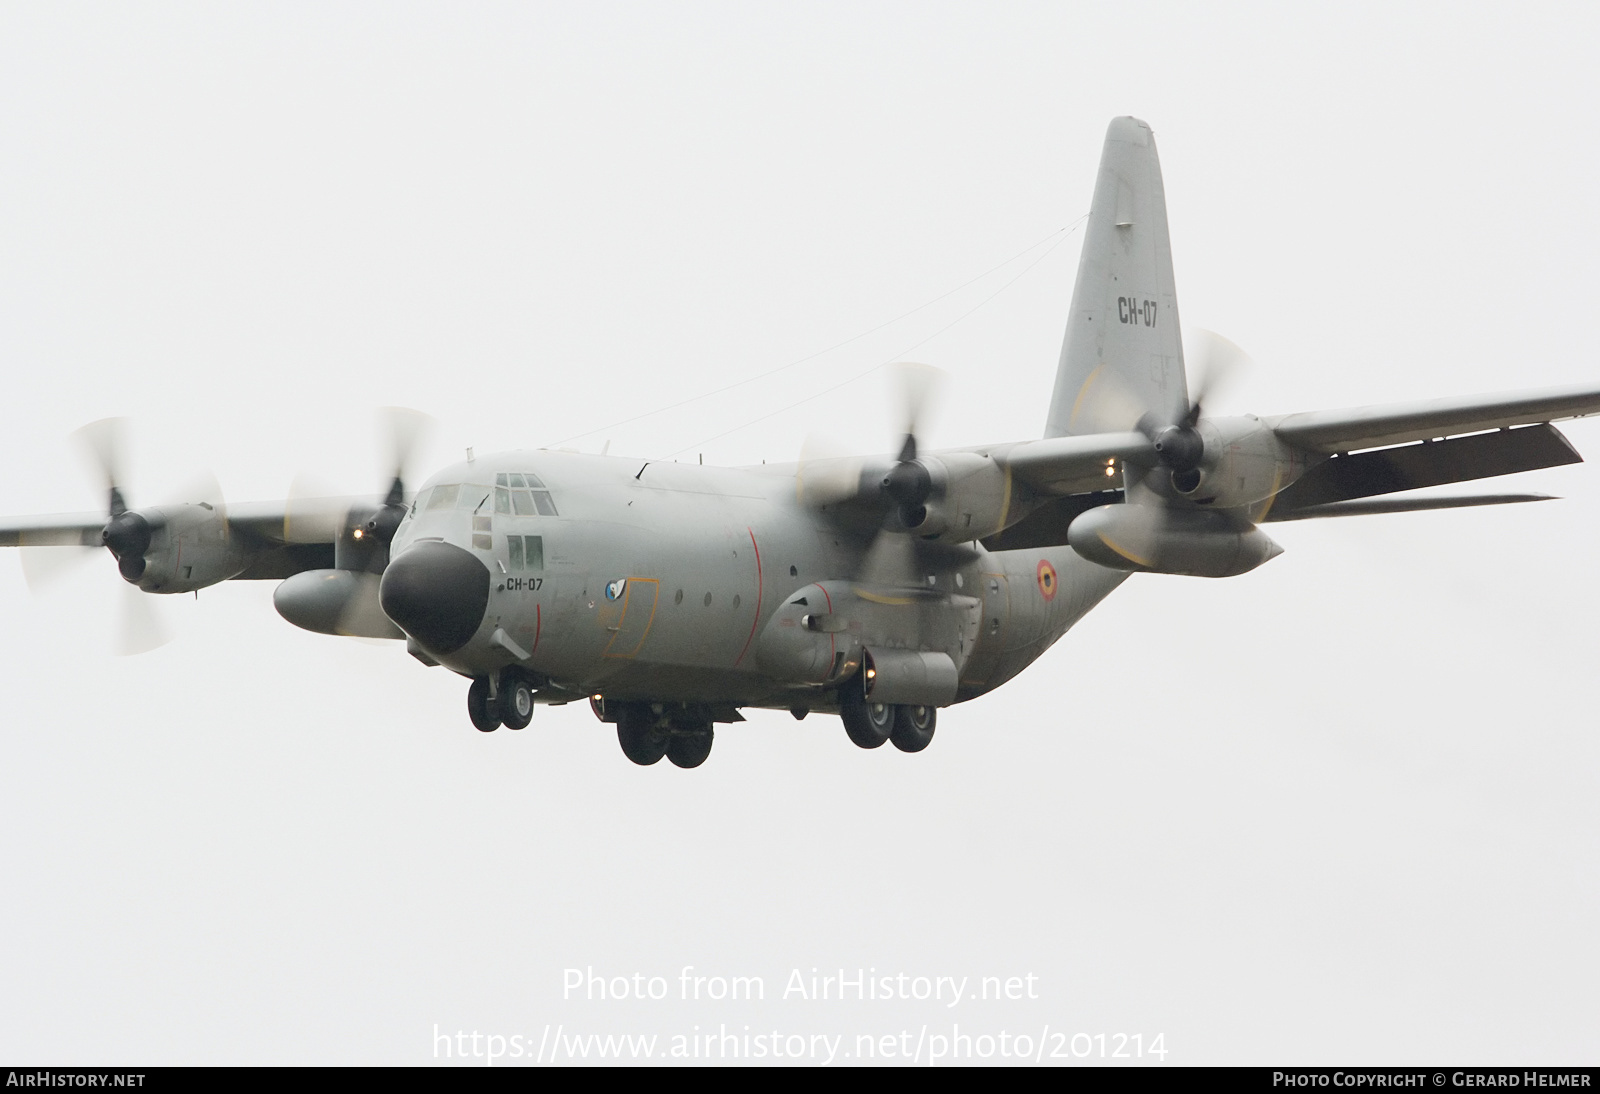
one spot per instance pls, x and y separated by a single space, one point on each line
175 548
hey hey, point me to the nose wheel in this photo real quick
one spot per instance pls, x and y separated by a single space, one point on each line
515 701
511 704
480 708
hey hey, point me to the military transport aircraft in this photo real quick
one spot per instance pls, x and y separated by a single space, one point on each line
670 596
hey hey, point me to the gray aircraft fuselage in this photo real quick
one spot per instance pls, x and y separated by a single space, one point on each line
658 581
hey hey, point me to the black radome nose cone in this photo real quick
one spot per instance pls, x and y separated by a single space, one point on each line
437 593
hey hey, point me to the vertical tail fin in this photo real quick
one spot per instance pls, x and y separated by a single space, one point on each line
1122 356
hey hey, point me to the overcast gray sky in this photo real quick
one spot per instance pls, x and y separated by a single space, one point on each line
1340 809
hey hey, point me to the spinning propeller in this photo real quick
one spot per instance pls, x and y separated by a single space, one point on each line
1178 444
127 534
406 429
908 483
897 559
363 531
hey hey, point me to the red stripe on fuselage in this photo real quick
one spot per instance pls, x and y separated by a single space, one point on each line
757 619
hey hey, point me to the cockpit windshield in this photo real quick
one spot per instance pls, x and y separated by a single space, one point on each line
452 496
523 495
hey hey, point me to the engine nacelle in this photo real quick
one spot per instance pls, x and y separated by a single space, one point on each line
1244 463
189 548
1169 541
970 499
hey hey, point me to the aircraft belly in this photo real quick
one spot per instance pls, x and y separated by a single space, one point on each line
1031 598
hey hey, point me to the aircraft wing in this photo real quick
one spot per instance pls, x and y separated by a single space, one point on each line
55 530
305 520
1331 431
1070 465
275 522
287 537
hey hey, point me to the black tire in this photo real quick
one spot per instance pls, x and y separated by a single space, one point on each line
689 748
516 700
913 727
482 712
867 724
642 740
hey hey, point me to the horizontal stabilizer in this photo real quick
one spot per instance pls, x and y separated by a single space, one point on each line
1330 431
1367 507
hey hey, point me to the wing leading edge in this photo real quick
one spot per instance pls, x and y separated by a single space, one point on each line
1350 430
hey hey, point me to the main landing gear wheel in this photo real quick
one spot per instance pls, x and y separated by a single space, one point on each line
515 703
913 727
690 747
867 724
480 709
642 740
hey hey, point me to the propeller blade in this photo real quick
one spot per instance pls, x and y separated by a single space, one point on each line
1215 363
1107 404
102 442
898 564
313 513
918 384
404 430
43 567
890 563
139 627
826 475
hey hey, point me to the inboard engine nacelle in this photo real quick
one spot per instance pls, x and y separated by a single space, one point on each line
969 496
1242 462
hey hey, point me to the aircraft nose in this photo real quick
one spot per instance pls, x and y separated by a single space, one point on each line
437 593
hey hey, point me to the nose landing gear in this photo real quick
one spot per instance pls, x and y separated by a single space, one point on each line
504 700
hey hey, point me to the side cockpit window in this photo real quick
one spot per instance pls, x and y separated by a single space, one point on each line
525 552
523 495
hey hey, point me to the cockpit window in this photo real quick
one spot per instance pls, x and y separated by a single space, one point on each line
443 497
522 494
525 552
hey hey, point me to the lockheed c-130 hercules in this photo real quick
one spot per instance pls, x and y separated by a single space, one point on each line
671 596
